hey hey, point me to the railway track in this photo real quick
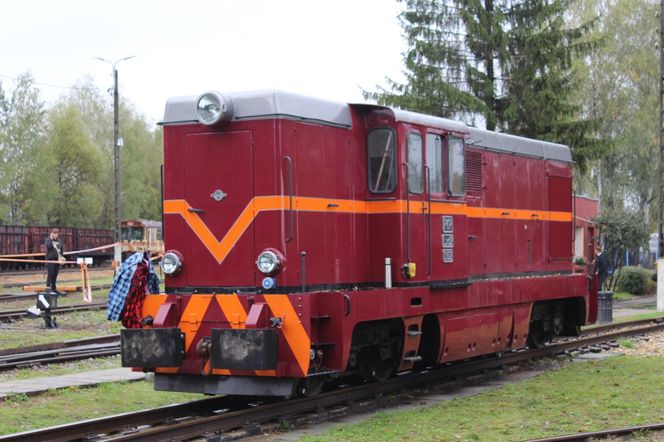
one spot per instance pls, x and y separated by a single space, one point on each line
12 315
219 415
109 345
30 272
10 297
597 435
594 329
10 285
73 350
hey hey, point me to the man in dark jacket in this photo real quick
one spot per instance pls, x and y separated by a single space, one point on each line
54 252
602 268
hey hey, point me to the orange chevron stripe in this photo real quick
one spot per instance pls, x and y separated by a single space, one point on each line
192 317
221 248
233 310
237 317
152 303
292 329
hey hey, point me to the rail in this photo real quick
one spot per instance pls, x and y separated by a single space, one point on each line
9 315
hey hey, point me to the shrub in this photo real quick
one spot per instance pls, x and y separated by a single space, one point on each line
635 280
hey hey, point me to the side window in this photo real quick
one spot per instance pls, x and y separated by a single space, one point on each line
457 177
414 158
435 162
381 145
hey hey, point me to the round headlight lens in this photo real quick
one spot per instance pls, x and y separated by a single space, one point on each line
268 262
213 108
171 263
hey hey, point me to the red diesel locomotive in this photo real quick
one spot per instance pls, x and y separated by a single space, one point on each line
309 239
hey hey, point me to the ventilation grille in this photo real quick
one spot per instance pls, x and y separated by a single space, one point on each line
474 172
529 252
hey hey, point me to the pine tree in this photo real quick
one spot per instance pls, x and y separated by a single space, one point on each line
449 72
507 61
540 84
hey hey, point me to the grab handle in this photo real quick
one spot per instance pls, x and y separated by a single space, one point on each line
289 161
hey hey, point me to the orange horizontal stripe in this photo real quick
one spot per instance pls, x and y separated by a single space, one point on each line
220 248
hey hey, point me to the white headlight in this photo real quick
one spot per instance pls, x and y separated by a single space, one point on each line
171 262
268 262
213 108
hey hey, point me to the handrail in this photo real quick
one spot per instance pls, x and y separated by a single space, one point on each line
290 192
429 244
407 181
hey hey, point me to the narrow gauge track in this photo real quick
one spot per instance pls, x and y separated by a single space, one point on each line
12 315
10 285
620 325
72 350
9 297
581 437
29 272
223 414
109 345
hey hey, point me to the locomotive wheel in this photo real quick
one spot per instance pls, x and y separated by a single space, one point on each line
309 386
536 335
558 322
380 371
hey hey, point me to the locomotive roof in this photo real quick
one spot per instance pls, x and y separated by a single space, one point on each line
487 139
518 145
274 103
266 104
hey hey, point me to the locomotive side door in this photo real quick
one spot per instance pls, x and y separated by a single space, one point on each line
219 188
446 229
416 216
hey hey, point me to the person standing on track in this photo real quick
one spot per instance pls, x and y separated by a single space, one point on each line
54 252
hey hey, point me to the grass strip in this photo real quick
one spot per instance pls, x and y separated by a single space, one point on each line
76 325
22 413
580 397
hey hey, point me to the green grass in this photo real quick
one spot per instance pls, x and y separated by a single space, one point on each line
580 397
652 315
61 369
70 280
622 296
23 413
627 343
640 316
70 326
69 299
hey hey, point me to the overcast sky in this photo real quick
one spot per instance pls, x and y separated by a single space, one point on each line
327 49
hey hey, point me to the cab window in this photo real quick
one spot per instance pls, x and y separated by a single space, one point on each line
414 159
381 145
435 162
131 233
457 176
